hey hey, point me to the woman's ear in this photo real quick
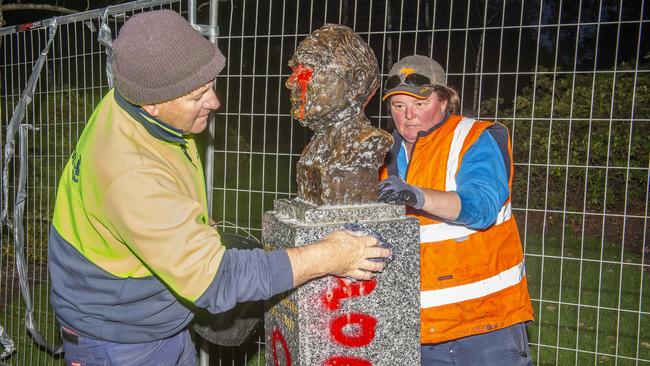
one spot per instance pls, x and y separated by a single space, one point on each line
443 105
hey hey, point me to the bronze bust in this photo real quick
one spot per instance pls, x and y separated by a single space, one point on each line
335 74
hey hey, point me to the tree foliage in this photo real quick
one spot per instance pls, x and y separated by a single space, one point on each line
581 141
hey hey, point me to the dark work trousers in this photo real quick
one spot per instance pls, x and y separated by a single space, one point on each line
81 351
503 347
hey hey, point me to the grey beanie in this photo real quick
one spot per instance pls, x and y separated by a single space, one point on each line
158 56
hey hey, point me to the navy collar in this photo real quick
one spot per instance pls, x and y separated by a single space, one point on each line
435 127
157 128
391 157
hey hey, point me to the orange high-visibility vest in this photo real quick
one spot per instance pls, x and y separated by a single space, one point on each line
472 282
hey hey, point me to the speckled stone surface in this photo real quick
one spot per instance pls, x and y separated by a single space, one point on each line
305 212
326 322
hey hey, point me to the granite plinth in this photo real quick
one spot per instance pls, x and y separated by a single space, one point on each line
308 213
329 322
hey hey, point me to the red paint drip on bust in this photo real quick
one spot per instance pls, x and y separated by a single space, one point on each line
303 75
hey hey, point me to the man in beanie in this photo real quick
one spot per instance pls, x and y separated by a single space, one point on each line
131 251
455 175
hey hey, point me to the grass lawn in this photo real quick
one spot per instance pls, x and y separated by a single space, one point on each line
27 351
577 321
590 297
587 294
587 311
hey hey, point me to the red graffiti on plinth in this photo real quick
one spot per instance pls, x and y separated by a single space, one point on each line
364 334
350 329
332 301
346 361
278 337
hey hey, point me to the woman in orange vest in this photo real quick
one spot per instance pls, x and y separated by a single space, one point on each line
455 175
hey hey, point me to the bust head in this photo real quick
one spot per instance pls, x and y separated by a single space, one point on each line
334 73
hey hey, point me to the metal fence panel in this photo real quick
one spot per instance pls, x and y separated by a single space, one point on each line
69 85
568 78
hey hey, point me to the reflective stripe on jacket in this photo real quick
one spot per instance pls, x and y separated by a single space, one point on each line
472 281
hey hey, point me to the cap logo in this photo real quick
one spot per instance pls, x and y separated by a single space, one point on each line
406 71
423 90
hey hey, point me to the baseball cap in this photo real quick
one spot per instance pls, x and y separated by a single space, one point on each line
415 76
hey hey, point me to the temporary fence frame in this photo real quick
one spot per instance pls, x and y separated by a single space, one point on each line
582 167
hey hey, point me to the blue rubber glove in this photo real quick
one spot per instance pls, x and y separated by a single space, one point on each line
394 190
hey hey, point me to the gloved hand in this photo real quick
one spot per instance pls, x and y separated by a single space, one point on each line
394 190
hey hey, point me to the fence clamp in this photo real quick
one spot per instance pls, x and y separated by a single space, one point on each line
207 30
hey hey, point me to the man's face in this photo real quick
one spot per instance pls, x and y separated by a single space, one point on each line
412 115
188 113
317 94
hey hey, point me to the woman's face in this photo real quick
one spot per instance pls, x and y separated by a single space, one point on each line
412 115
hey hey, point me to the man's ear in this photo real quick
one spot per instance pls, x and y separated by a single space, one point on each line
359 77
152 109
359 80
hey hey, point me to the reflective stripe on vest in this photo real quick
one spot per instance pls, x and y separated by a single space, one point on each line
444 231
503 280
460 133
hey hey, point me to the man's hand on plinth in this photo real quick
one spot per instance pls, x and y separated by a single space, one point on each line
340 253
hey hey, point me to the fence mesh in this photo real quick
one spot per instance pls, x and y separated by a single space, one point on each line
568 78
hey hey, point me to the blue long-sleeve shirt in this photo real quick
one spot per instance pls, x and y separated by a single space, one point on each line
482 178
